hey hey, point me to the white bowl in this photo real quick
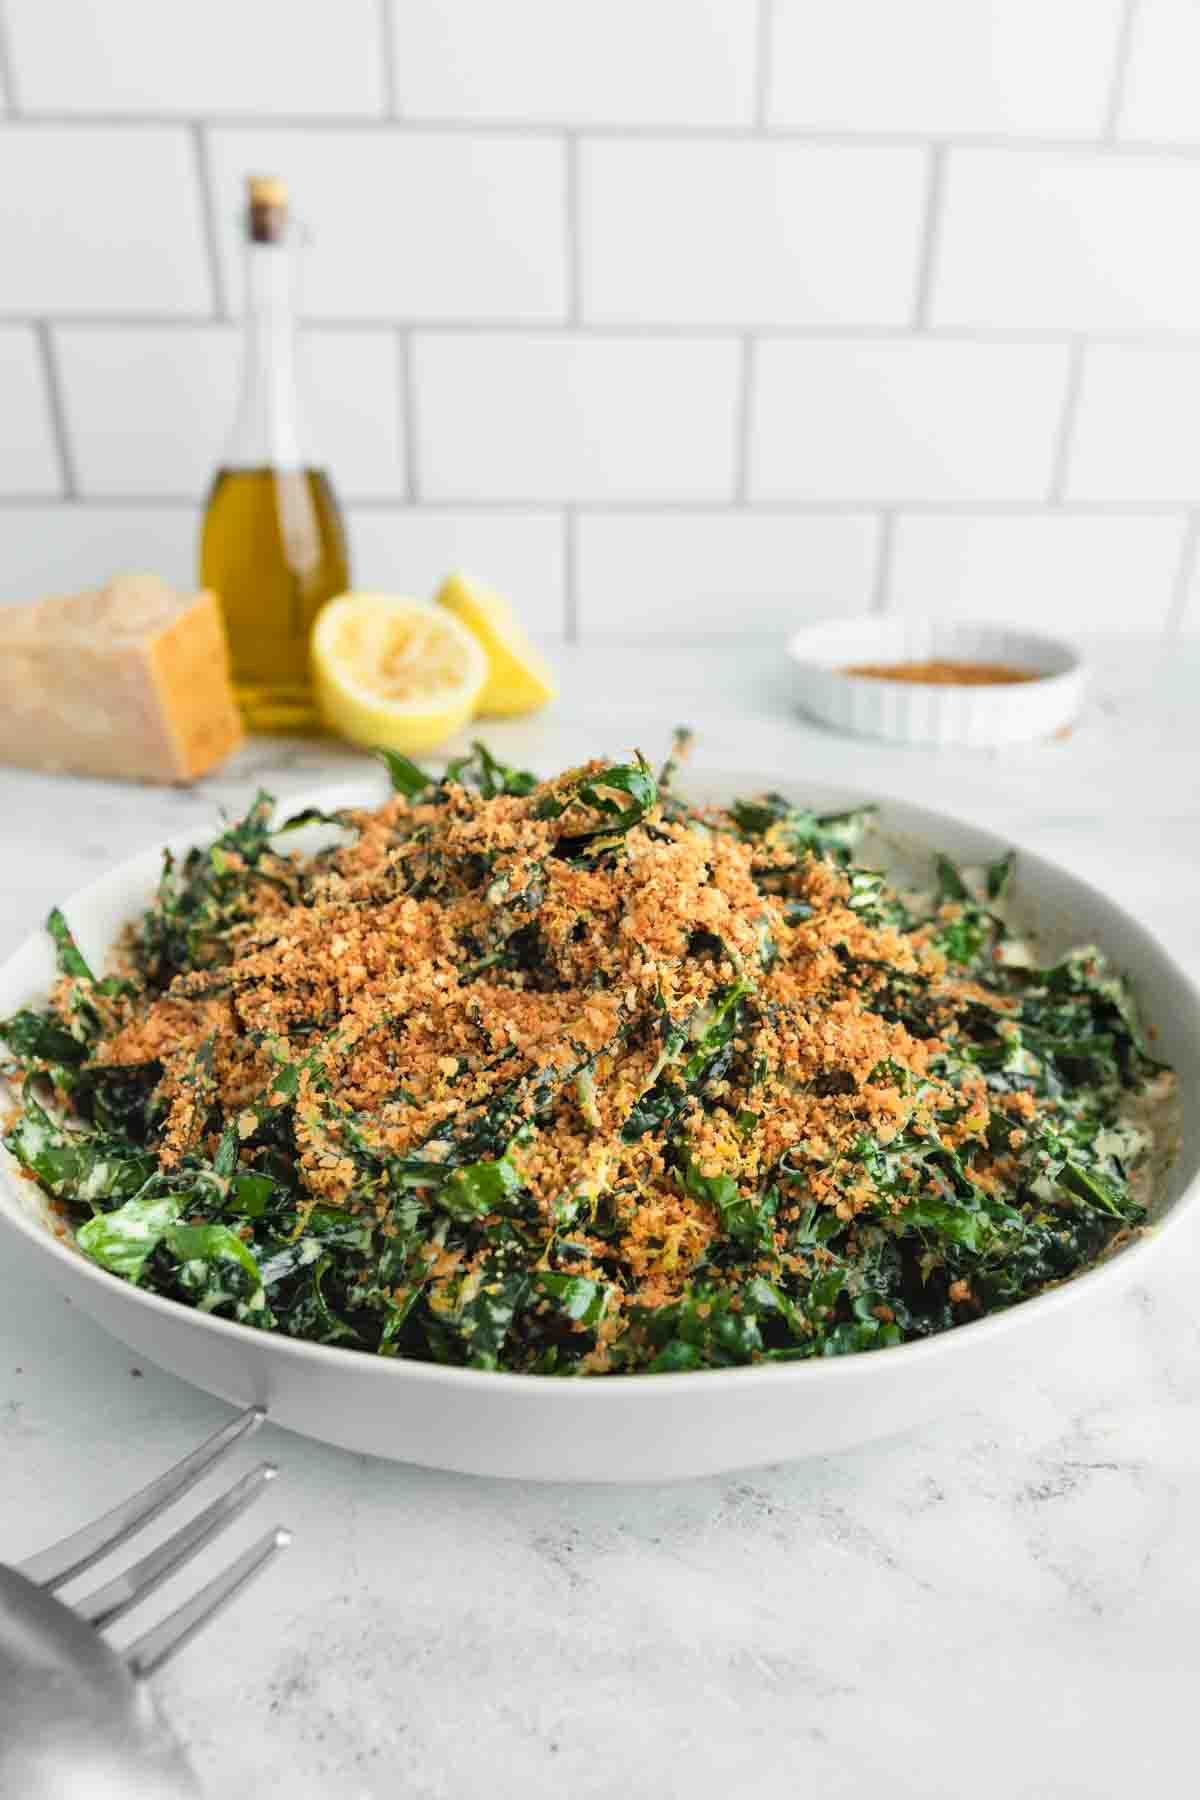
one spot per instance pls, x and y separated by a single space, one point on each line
636 1428
907 712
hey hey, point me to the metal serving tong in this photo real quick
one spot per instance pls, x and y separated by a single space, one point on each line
77 1717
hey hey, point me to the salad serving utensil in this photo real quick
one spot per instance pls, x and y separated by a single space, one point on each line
77 1717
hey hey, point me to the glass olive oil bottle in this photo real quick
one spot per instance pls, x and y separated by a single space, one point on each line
272 545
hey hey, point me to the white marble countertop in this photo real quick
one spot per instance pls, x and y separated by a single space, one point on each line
1007 1604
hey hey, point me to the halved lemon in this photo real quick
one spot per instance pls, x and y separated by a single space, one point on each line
395 673
519 678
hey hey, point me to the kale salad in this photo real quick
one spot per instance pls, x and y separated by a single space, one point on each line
570 1077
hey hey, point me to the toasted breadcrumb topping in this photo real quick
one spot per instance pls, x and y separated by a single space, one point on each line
566 1061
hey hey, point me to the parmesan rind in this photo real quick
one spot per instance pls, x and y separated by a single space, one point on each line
128 681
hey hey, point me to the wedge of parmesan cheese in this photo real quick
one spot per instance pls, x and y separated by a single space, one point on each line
129 680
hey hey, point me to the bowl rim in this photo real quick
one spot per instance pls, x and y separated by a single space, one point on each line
811 647
1113 1271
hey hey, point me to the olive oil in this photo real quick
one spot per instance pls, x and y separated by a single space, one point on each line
273 550
272 545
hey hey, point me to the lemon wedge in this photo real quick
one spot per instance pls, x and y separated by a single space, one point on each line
394 673
519 678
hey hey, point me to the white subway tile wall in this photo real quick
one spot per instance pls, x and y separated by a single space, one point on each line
1068 240
603 62
29 462
519 552
1137 428
55 549
749 232
720 577
974 67
148 409
680 320
570 417
1190 610
222 56
99 220
1083 574
425 224
891 419
1160 87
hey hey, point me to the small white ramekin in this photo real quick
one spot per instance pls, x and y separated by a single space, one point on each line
907 712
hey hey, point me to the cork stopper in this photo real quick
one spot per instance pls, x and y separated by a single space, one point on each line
266 208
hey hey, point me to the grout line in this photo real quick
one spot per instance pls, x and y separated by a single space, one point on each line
571 576
823 508
96 502
931 238
881 588
412 445
764 41
573 233
499 327
86 119
716 332
387 60
743 423
1184 577
183 322
104 322
8 85
58 410
548 506
552 130
208 215
1122 51
1064 443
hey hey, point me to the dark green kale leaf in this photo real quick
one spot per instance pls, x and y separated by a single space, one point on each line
471 1313
480 769
70 959
998 876
798 828
201 899
747 1220
122 1241
476 1189
86 1167
579 1298
39 1039
406 777
116 1098
675 1081
600 791
216 1268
